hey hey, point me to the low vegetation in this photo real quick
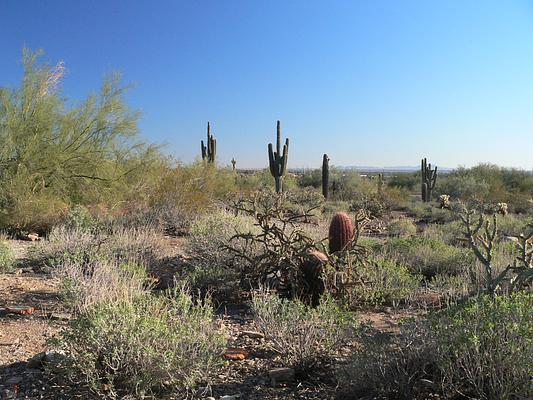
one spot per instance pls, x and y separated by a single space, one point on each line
303 256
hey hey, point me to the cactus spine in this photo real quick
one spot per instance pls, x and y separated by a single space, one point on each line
341 232
325 176
278 160
429 177
209 152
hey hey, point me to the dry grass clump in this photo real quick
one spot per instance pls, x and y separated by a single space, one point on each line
302 336
100 281
115 243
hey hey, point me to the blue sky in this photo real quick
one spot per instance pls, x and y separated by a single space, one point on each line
378 83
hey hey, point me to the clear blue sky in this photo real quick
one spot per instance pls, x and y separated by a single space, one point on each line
377 83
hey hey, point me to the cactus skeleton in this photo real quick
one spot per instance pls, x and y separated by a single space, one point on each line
429 177
278 160
209 152
325 176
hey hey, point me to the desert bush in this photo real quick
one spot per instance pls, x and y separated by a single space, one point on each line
408 181
485 347
147 346
480 349
98 281
451 289
514 225
428 256
54 155
301 335
402 227
450 233
384 283
79 218
118 244
191 190
211 265
7 257
429 213
370 203
390 366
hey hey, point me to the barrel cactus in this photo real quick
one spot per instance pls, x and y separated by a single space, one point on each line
341 232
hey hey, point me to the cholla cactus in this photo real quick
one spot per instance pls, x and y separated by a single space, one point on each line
501 208
444 200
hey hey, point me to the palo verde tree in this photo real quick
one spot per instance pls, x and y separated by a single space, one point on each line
54 155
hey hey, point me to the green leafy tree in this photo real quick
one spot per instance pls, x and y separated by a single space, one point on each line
54 155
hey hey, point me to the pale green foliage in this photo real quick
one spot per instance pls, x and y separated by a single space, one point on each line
54 154
301 335
147 346
386 282
7 257
479 349
402 227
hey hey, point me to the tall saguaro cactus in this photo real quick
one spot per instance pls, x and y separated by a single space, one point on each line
325 176
429 177
278 160
209 152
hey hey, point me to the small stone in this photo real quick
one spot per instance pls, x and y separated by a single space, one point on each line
252 334
232 397
281 375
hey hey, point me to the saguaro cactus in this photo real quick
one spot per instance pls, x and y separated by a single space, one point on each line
429 177
341 232
209 152
278 160
380 184
325 176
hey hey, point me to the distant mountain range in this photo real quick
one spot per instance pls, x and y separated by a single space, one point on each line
389 169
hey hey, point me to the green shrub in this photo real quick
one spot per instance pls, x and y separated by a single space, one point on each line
59 155
386 283
211 265
79 218
485 347
7 257
402 227
301 335
480 349
428 256
142 347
